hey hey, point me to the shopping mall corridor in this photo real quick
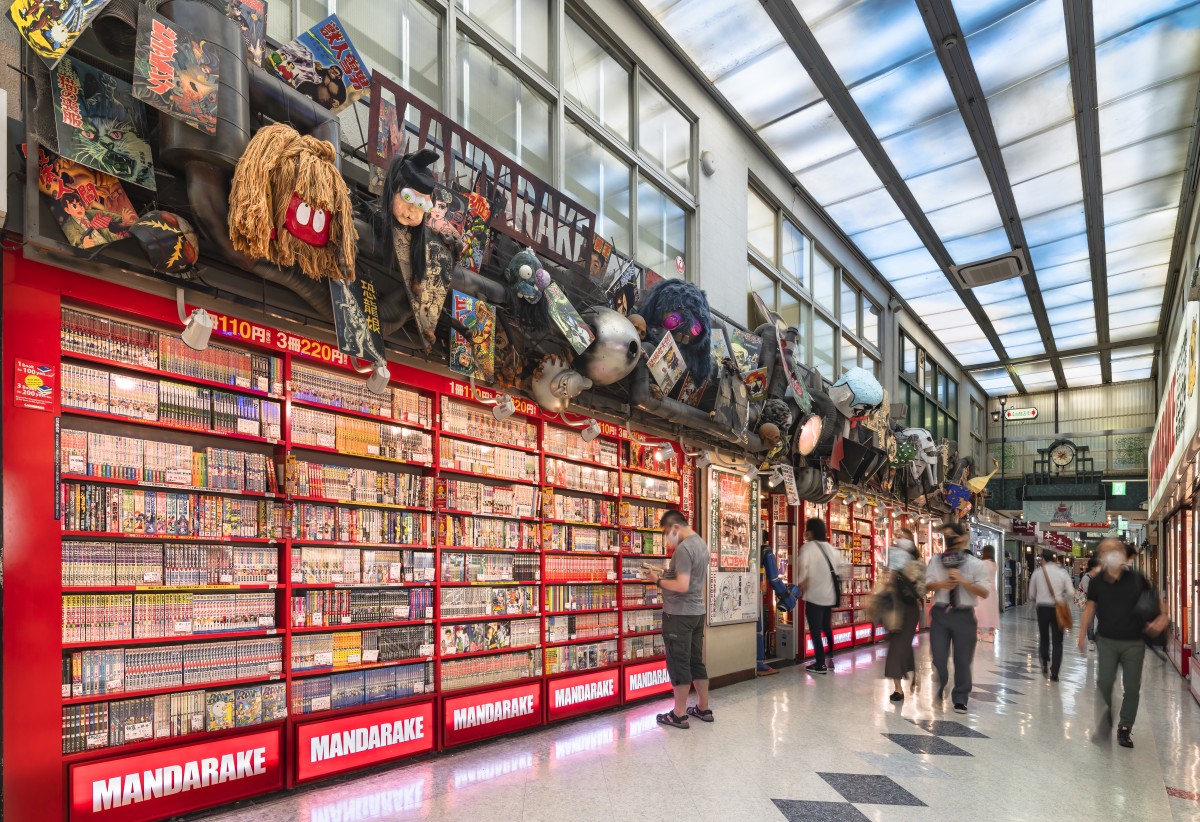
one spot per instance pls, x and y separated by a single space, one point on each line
797 747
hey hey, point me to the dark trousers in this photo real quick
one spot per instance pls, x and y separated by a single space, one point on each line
1128 655
819 618
1051 642
957 627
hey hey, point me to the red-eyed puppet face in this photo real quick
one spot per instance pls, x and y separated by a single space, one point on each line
305 223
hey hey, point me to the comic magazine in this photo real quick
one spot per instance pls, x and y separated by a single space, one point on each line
598 257
356 317
756 384
478 318
691 393
388 142
251 17
746 348
99 124
449 214
568 320
247 707
666 364
274 702
219 710
323 64
624 292
90 207
175 72
475 239
50 27
719 349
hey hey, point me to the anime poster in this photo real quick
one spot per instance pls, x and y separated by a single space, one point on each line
746 348
756 384
598 255
323 64
691 393
175 72
568 320
356 317
666 364
50 27
624 292
99 124
387 143
251 17
90 207
475 240
449 214
474 356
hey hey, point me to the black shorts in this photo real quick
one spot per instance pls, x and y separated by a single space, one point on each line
683 636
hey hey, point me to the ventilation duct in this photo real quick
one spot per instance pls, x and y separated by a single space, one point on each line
994 270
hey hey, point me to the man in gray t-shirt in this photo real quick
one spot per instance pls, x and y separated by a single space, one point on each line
682 588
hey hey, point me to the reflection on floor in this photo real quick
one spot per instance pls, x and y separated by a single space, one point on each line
797 747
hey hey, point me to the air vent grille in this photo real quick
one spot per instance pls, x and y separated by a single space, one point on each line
985 272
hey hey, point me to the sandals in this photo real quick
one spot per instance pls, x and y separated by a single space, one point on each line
703 716
673 721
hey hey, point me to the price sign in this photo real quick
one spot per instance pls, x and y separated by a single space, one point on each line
138 730
323 658
370 655
245 426
320 703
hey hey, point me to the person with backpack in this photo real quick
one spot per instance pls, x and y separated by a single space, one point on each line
1049 587
960 581
822 589
1127 610
906 585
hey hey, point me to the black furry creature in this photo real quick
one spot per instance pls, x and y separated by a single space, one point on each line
682 309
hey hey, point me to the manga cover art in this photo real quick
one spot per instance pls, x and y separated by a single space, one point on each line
251 17
50 27
666 364
624 292
474 356
90 207
598 256
99 124
323 64
388 142
691 393
356 318
449 214
475 239
568 320
175 72
756 384
746 348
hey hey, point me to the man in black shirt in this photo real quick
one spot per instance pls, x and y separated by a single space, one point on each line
1112 598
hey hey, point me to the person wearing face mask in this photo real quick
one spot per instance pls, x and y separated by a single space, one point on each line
960 581
682 587
907 584
1116 599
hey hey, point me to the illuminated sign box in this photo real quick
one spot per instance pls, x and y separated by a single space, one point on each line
646 679
181 779
347 743
574 695
491 713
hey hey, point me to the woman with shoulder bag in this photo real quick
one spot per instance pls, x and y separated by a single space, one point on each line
907 586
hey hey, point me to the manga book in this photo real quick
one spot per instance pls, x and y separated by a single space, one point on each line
50 27
476 355
175 72
323 64
251 17
746 348
568 320
387 143
356 317
90 207
666 364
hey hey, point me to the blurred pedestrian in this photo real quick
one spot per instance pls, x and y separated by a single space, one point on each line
906 585
960 581
987 611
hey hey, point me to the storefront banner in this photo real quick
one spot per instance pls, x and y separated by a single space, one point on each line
176 780
347 743
491 713
1084 515
574 695
646 679
1024 528
1176 426
1062 542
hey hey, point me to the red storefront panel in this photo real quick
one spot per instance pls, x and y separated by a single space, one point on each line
646 679
346 743
176 780
574 695
490 713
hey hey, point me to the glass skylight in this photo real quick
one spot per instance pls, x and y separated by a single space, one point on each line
1025 43
1037 375
894 238
840 178
702 27
768 86
1082 370
810 136
995 381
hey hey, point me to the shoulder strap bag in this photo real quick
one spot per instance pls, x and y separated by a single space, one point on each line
1062 611
837 581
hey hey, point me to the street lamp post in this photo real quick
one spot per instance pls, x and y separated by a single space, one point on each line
1000 417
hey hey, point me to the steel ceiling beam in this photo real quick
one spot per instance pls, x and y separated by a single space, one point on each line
949 44
1081 49
1071 352
1187 204
808 51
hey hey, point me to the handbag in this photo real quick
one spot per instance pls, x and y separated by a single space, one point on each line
1147 608
837 581
1062 611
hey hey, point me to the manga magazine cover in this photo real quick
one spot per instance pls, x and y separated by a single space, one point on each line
746 348
99 124
90 206
323 64
389 141
356 318
666 364
598 256
624 292
251 17
568 320
50 27
477 355
175 72
475 238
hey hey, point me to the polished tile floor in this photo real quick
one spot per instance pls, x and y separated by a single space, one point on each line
797 747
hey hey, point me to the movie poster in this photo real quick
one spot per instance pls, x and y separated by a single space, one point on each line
746 348
90 207
477 355
568 320
387 143
99 124
666 364
323 64
50 27
356 317
175 72
251 17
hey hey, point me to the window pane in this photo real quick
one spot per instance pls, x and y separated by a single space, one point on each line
916 407
760 226
952 395
599 181
872 365
593 78
522 25
849 355
796 313
931 418
664 135
822 280
405 43
763 285
795 253
496 106
930 383
824 342
870 331
908 358
849 308
662 230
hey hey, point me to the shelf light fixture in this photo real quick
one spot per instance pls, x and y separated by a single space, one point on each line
503 406
197 326
380 376
664 452
588 428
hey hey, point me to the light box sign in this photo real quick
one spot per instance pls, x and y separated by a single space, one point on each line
348 743
1020 414
646 679
1178 418
575 695
491 713
176 780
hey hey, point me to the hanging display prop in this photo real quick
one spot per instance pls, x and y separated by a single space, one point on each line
733 536
90 207
474 356
666 364
251 17
568 320
323 65
356 317
175 72
50 27
803 397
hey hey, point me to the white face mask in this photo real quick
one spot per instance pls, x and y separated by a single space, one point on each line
1113 560
671 538
907 544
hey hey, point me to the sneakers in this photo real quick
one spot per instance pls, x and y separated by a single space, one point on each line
816 669
960 707
671 720
703 716
1054 677
896 696
1123 737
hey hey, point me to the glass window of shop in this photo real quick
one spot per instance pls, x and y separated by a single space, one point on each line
599 180
596 80
794 262
664 134
824 347
521 25
931 393
662 229
405 44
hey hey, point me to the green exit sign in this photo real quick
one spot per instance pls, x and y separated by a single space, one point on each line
1118 489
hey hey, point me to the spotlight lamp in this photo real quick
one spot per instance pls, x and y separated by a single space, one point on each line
197 326
379 376
591 432
664 452
504 407
750 474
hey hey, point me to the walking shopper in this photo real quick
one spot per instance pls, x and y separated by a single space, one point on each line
987 611
1085 580
683 585
1120 599
907 586
1050 585
959 580
820 582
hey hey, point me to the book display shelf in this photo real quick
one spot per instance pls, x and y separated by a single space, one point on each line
256 549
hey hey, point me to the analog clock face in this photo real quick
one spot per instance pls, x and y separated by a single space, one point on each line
1063 454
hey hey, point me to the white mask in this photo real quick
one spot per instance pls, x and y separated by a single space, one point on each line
907 545
1113 560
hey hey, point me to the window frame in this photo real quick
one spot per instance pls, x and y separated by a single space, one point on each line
928 391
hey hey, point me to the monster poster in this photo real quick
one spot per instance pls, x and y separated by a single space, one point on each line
175 72
568 320
474 356
90 207
323 64
50 27
746 348
251 17
356 317
666 364
99 124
